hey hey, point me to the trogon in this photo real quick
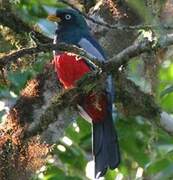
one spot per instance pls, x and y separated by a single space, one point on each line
95 107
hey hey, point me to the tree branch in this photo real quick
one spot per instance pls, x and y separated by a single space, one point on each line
114 63
110 66
12 57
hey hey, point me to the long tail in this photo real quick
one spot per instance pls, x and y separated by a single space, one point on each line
105 146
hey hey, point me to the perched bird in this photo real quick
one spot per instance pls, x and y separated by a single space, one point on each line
96 108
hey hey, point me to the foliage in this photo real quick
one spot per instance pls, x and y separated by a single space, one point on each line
143 147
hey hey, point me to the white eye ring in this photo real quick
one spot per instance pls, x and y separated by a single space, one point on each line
67 16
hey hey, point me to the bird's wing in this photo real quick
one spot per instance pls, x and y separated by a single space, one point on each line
92 47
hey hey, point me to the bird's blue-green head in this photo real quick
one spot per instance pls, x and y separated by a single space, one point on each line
67 18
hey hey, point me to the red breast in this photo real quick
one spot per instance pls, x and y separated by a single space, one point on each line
69 69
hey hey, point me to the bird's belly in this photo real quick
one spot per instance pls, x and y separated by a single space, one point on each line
96 107
69 70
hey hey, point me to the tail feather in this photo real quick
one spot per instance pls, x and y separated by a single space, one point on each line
105 147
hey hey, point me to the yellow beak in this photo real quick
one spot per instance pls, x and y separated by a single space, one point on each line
54 18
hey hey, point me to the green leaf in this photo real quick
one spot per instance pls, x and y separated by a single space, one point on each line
55 173
2 114
18 80
166 91
141 9
158 166
72 156
166 174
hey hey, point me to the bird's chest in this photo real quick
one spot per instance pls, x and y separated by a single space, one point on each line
69 69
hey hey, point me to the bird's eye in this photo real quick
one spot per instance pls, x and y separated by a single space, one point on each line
67 16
